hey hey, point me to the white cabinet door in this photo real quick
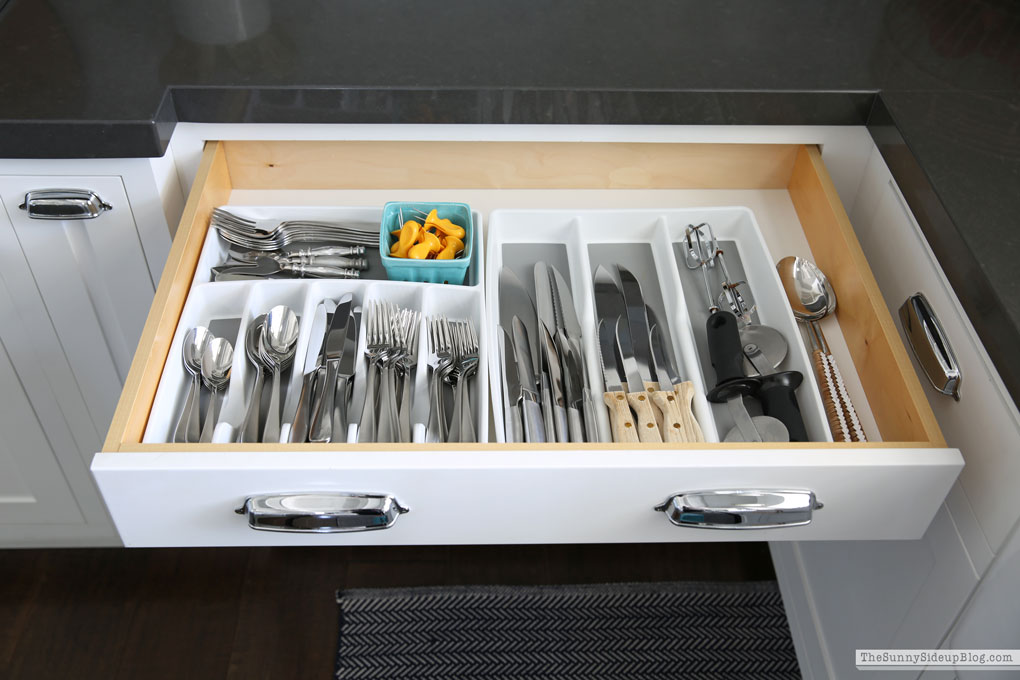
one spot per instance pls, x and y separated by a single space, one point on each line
94 282
33 489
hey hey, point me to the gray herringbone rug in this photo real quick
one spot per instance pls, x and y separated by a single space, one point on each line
616 631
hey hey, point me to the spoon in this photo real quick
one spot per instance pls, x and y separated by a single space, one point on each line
216 362
277 346
195 341
812 298
249 430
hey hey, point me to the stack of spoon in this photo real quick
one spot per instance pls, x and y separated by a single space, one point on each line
270 344
208 360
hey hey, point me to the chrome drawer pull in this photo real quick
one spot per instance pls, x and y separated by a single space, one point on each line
321 513
64 204
740 509
930 345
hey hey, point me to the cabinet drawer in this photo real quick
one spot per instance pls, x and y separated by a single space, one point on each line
889 488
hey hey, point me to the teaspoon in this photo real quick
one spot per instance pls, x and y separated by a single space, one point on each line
216 362
188 426
278 344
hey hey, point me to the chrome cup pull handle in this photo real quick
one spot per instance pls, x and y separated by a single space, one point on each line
321 513
740 509
930 345
64 204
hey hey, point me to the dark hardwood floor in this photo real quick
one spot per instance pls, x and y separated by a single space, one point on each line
270 612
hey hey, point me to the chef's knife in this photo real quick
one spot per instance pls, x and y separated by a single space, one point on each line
314 370
621 420
321 424
551 366
683 390
345 378
531 412
568 336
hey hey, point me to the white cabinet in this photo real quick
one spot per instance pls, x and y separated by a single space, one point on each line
74 295
907 594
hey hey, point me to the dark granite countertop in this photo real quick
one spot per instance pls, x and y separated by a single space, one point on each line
935 80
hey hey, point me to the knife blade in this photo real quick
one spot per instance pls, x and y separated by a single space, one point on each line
514 300
575 374
531 411
621 421
552 367
320 323
320 427
640 403
638 322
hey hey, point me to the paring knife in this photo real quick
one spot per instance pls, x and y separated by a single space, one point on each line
621 420
610 303
321 424
576 369
314 371
531 411
665 366
551 365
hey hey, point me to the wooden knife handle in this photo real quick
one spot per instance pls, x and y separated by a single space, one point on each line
621 419
685 396
674 429
648 430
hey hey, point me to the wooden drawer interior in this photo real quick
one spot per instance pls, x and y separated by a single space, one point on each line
902 413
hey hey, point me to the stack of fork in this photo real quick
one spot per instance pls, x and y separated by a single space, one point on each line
453 363
247 234
391 349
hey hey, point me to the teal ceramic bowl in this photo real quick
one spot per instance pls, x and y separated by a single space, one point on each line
428 271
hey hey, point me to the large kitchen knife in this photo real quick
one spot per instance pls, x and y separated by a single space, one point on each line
314 371
621 420
551 365
683 390
321 425
575 369
611 306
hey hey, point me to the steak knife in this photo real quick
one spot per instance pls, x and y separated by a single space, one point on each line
683 390
621 420
551 366
531 411
511 386
576 369
612 308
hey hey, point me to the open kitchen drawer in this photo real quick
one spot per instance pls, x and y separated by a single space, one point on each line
889 488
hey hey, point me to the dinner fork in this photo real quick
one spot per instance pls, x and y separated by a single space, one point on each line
375 345
441 361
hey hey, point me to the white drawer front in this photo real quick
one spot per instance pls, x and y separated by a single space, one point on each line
477 497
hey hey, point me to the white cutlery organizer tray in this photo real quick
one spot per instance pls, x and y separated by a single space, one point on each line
245 300
645 241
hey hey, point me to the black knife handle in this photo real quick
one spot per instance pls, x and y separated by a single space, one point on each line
778 396
724 346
